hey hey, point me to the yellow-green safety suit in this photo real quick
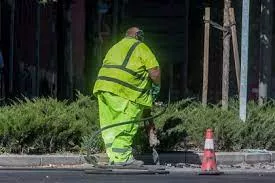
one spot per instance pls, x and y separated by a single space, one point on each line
123 91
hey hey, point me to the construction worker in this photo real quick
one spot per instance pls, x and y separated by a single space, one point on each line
124 91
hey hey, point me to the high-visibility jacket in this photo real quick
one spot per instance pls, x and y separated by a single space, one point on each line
125 71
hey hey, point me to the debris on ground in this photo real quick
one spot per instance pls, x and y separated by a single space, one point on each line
241 166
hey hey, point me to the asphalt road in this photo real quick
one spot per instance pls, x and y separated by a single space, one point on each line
12 176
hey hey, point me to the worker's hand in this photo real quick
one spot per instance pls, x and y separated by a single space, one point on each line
155 75
151 129
152 133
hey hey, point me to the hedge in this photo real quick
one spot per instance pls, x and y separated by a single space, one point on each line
46 125
184 124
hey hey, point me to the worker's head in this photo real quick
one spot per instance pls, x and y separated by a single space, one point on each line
135 33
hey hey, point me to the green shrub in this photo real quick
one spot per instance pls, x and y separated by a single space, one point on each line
184 124
46 125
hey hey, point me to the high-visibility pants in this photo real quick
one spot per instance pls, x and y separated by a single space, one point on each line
118 140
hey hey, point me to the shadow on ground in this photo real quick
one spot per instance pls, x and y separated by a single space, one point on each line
172 158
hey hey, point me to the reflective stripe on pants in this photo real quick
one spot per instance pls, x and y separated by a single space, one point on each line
118 140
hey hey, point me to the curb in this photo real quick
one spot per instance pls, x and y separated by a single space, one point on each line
39 160
223 158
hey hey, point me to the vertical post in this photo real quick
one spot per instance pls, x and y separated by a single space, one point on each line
115 20
37 47
244 59
226 55
206 56
1 75
11 57
186 48
60 50
171 80
53 51
99 41
68 48
64 47
235 46
265 50
1 20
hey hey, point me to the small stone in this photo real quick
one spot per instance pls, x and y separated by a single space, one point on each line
180 165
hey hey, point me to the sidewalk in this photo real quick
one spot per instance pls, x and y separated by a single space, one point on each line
172 158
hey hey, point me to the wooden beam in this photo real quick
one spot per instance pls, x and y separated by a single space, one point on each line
206 56
226 56
235 45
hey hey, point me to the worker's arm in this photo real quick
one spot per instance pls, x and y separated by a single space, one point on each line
152 66
155 75
150 62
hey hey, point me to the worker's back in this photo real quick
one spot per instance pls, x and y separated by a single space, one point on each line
125 74
118 52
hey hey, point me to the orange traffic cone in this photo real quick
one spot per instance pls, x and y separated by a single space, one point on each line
209 165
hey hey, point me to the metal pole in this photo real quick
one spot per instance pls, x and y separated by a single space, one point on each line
244 59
